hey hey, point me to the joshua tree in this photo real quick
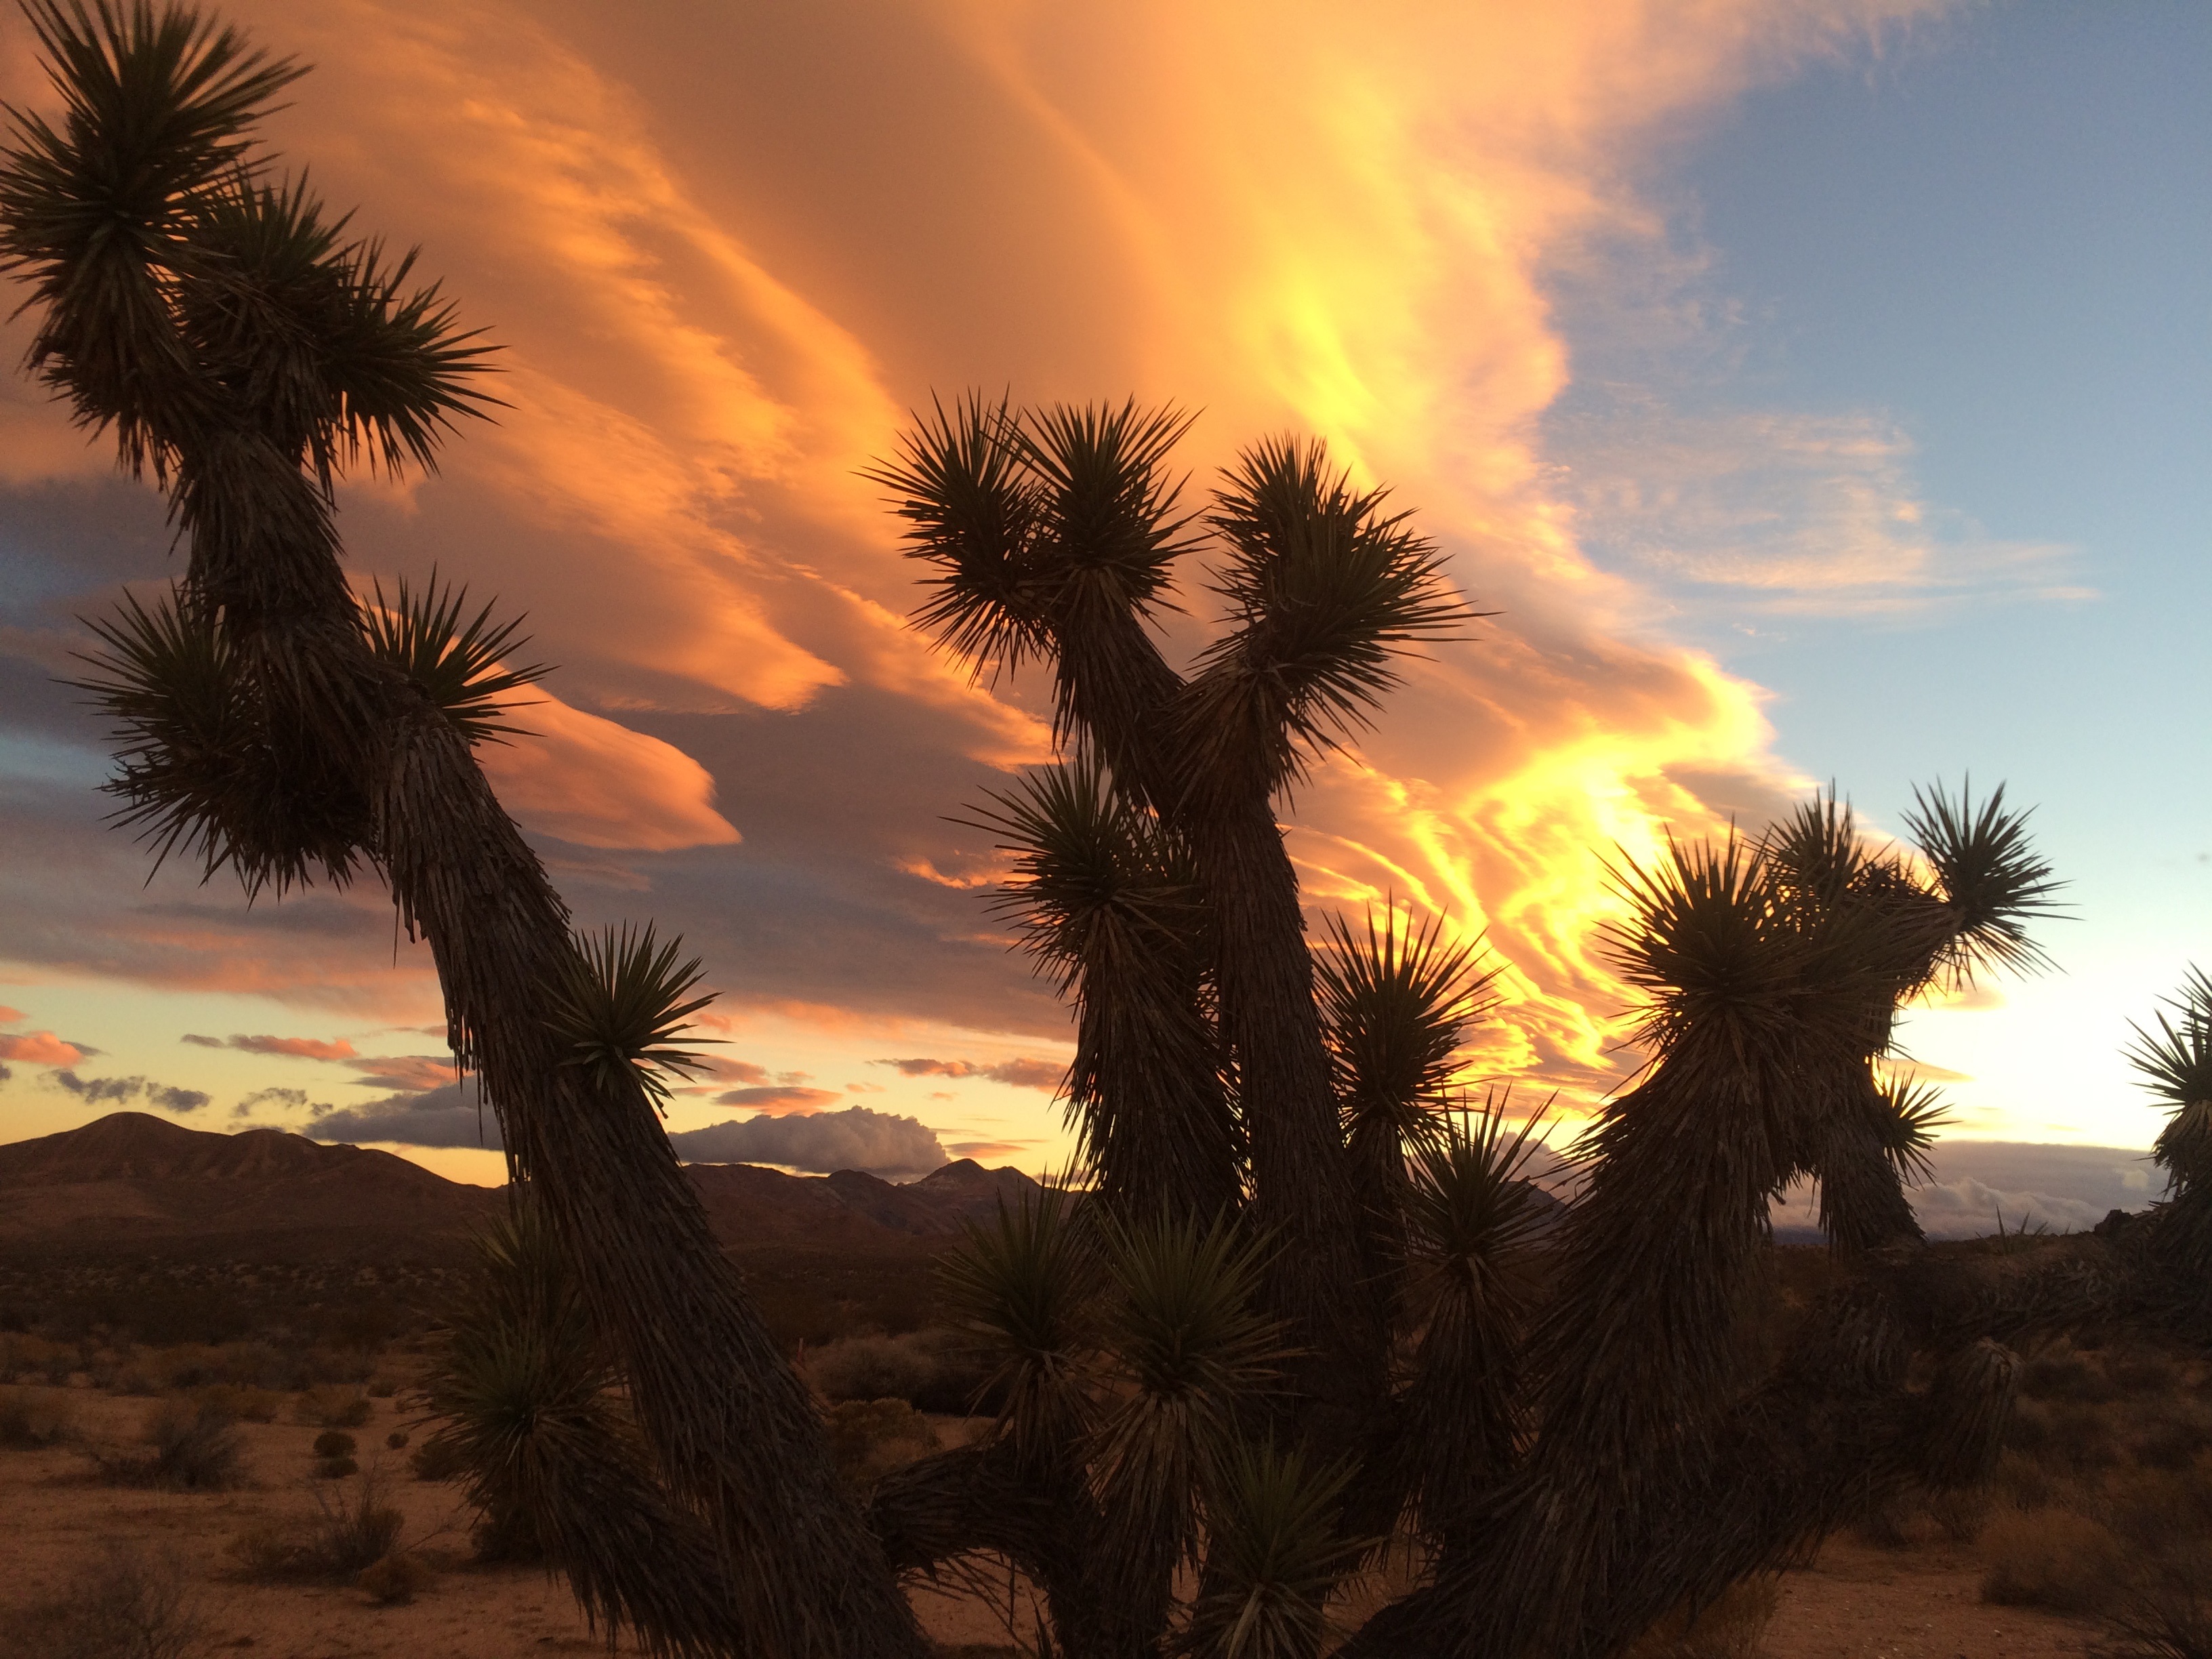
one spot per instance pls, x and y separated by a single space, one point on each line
243 352
1306 1309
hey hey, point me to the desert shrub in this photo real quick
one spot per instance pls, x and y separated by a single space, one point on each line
2144 1370
2172 1440
1887 1525
438 1459
1959 1515
397 1440
395 1578
335 1468
124 1607
871 1437
2023 1483
934 1371
351 1530
25 1356
328 1365
2166 1616
864 1368
2060 1372
335 1442
2083 1438
334 1409
1731 1626
31 1420
383 1387
244 1403
2050 1558
187 1448
2155 1508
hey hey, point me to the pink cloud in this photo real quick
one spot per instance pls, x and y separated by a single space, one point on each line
592 781
1016 1073
40 1048
406 1073
9 1015
290 1047
779 1101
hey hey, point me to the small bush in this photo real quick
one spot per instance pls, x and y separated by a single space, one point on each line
242 1401
437 1459
335 1408
2166 1617
336 1468
125 1606
395 1578
2144 1371
335 1442
2050 1558
2172 1442
349 1532
30 1421
1731 1626
194 1449
2061 1373
396 1440
870 1438
1959 1515
383 1389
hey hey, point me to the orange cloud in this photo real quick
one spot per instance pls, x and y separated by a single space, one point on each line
40 1048
592 781
725 249
290 1047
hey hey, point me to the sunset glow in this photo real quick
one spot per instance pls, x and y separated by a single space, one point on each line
724 253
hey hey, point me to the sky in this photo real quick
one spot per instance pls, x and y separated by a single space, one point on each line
1813 392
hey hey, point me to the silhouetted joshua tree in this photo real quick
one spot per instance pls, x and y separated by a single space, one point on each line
1307 1307
244 351
1577 1462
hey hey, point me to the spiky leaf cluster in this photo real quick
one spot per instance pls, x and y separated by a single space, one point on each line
1325 590
181 291
626 997
199 771
1275 1556
456 660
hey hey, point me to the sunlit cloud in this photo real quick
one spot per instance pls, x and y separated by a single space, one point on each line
724 255
823 1142
586 780
334 1049
40 1048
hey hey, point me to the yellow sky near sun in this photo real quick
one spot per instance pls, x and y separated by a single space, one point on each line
725 249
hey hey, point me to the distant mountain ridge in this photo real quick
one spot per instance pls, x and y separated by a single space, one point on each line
130 1181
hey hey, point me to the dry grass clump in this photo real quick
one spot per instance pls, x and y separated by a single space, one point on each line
184 1448
395 1578
30 1421
351 1530
2052 1558
871 1437
934 1370
1731 1626
335 1408
125 1607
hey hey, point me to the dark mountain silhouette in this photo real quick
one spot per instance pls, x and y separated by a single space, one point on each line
134 1184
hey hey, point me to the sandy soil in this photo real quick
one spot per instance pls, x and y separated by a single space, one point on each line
1855 1602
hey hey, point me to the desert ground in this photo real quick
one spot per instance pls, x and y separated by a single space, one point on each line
1917 1598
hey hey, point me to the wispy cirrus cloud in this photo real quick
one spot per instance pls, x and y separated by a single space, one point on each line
1789 514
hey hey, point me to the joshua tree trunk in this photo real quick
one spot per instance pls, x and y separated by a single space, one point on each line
188 315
